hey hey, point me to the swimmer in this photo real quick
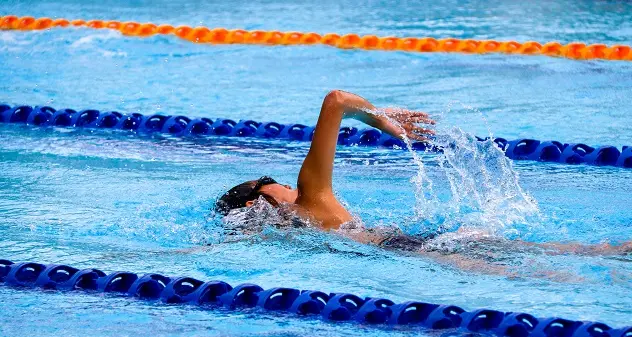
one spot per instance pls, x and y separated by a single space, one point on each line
314 199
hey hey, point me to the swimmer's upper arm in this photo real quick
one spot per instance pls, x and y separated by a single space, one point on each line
316 173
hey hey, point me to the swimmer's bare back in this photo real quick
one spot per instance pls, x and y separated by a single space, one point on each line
315 193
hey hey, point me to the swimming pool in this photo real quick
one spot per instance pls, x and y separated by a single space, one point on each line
122 202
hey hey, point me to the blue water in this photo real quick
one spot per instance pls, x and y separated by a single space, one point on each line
123 202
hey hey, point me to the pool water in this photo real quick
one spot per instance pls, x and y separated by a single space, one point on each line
119 201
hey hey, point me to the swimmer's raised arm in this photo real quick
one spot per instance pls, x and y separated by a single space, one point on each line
316 173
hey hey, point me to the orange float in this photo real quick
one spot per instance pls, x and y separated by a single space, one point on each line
594 51
221 35
552 49
389 43
348 41
257 37
42 23
197 35
448 45
530 48
509 47
60 23
490 46
182 31
77 23
24 23
468 46
146 29
292 38
129 28
574 50
427 45
274 37
8 22
330 39
409 44
116 25
165 29
618 52
310 38
369 42
237 36
96 24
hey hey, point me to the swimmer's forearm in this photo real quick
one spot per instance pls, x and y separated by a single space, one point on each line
360 109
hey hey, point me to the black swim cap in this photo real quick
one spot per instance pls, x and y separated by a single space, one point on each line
238 196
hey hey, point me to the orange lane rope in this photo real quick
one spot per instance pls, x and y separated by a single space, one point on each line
574 50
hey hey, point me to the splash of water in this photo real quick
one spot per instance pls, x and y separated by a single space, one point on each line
483 194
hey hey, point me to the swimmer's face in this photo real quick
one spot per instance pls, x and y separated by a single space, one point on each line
245 194
280 193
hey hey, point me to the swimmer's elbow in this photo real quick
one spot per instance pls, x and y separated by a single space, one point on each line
339 103
334 98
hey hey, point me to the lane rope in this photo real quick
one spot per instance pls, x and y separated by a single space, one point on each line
205 35
183 126
334 307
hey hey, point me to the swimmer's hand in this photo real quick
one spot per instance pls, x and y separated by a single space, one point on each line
402 123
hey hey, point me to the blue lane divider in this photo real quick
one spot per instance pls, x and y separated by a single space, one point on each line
329 307
182 126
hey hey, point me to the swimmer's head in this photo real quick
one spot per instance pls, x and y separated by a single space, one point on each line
245 194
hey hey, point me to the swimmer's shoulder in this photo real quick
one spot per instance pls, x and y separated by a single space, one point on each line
325 209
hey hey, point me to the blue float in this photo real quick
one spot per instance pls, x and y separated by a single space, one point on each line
625 159
24 274
104 120
555 327
374 311
516 324
345 134
176 125
85 118
152 123
54 276
40 115
366 137
408 313
269 130
245 128
149 286
223 127
603 156
129 122
18 114
482 320
118 282
243 295
309 303
277 298
200 126
332 307
341 307
444 317
183 126
85 279
5 265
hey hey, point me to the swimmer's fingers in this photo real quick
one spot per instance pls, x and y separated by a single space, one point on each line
404 113
421 131
418 138
418 114
423 120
